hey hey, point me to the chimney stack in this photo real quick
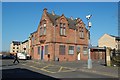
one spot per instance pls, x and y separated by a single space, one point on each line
71 18
45 10
53 13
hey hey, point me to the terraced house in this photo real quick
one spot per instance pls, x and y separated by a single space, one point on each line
62 38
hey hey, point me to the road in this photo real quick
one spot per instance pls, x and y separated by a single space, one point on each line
30 69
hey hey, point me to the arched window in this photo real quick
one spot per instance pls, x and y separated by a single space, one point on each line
62 28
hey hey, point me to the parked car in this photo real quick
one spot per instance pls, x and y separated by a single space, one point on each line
7 56
23 56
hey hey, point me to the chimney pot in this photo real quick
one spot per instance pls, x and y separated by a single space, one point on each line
53 13
45 9
71 18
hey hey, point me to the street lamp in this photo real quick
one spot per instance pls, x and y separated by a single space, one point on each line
89 46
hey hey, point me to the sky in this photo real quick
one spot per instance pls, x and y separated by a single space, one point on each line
19 19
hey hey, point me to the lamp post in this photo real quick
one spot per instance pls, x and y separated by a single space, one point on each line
89 44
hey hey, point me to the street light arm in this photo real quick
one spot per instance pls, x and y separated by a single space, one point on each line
88 17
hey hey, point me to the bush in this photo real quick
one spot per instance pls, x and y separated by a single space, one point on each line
116 60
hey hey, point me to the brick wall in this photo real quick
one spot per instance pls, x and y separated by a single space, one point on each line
53 39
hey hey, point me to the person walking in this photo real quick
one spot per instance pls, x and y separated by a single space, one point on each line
48 56
16 59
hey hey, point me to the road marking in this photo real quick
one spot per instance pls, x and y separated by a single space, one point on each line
47 71
34 67
68 67
60 69
71 69
45 67
41 68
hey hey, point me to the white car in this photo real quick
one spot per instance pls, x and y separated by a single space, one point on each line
21 55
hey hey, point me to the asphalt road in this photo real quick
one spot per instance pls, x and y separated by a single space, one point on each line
32 70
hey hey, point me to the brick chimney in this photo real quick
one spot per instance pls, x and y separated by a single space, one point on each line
45 10
71 18
53 13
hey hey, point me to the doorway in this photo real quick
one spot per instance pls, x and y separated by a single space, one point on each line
42 52
79 56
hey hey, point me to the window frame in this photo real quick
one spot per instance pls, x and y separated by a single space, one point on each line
62 49
43 28
81 32
78 49
72 49
85 52
39 50
62 29
46 52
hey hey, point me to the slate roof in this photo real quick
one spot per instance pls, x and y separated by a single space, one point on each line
96 47
25 41
72 23
33 32
16 42
54 17
116 37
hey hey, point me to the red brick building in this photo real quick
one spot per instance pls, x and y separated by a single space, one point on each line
64 39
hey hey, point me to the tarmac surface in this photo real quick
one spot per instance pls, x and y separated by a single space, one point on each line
35 69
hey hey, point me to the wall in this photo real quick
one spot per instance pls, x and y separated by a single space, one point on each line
107 41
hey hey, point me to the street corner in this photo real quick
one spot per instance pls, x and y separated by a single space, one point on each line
66 69
50 68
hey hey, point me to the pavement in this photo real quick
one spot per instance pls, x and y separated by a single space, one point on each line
57 70
98 67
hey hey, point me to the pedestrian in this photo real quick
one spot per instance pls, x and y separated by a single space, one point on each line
16 58
48 56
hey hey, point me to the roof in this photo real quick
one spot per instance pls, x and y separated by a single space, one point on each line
25 41
54 17
33 32
16 42
95 47
116 37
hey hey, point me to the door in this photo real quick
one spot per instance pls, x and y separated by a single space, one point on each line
79 56
42 52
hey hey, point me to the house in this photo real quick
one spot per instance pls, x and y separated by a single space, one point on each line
25 46
109 41
15 47
64 39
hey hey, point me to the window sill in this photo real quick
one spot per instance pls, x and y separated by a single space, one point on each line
71 54
42 35
85 54
61 54
63 35
82 38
